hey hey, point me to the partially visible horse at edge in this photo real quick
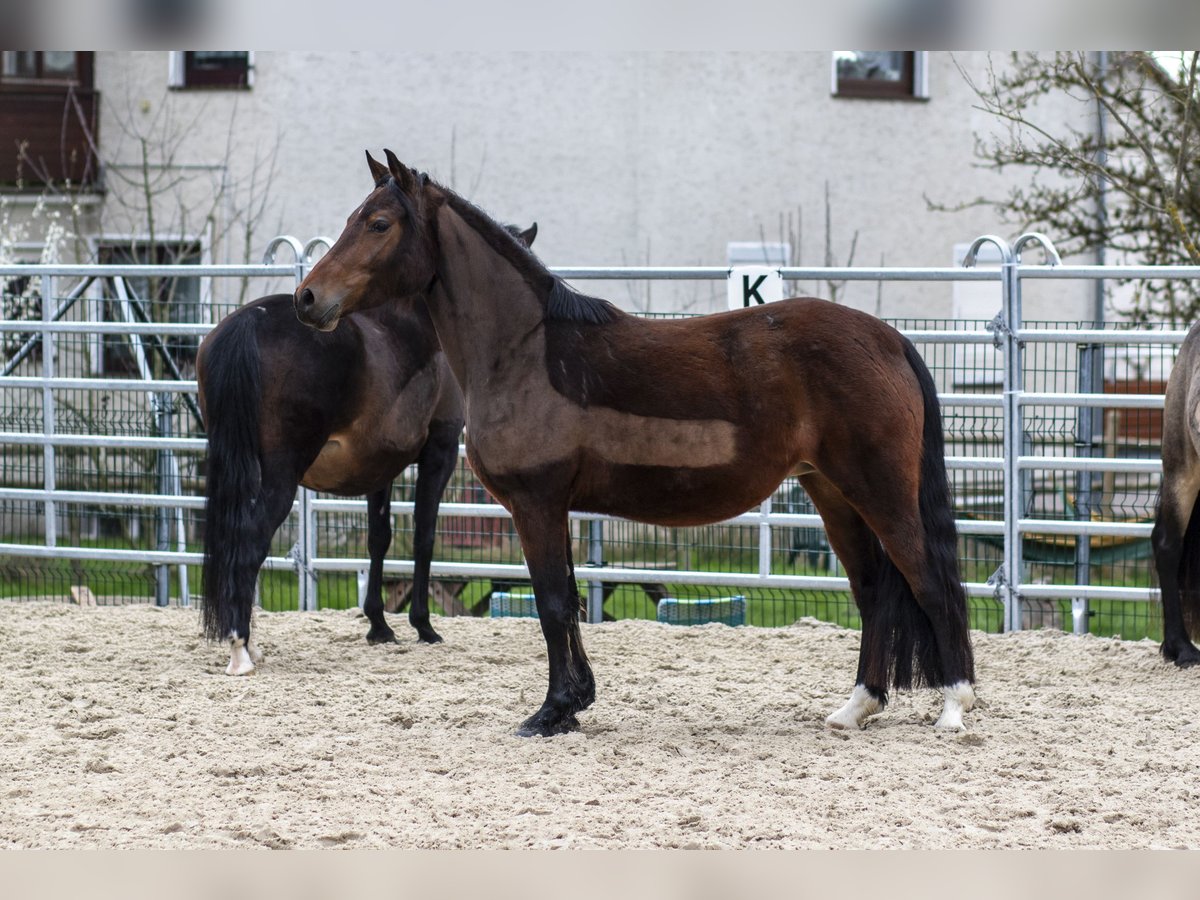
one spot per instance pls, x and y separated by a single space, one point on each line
1176 536
572 404
343 413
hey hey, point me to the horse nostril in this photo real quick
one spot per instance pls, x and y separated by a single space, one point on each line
307 298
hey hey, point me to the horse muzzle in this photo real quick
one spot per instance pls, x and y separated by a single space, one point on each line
313 313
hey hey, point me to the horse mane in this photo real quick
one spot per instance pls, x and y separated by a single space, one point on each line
562 302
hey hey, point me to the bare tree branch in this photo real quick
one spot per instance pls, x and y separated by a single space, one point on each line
1141 171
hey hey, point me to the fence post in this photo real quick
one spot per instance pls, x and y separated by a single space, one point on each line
1090 425
764 538
304 550
1085 445
1004 327
161 404
50 508
1024 484
595 601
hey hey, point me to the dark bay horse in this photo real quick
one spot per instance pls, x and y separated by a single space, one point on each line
343 413
574 405
1176 538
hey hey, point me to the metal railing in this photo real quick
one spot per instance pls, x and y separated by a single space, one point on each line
1006 333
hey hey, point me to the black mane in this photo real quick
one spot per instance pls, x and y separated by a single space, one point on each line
563 303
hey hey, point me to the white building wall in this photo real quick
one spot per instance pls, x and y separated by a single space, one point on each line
622 158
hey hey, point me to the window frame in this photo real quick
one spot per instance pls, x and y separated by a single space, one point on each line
913 85
102 347
84 78
181 75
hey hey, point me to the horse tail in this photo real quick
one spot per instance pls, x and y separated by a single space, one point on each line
1189 575
906 633
232 392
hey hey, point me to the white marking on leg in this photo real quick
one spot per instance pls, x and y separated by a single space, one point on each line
862 703
960 698
240 662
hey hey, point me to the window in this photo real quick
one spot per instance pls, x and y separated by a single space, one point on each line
54 68
211 69
154 299
881 74
49 111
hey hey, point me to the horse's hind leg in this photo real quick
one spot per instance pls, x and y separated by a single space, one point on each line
861 556
919 595
268 512
435 465
1176 507
379 539
940 642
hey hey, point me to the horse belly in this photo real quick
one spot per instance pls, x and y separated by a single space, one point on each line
350 468
681 497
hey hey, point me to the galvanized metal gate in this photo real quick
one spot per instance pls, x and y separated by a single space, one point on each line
1009 583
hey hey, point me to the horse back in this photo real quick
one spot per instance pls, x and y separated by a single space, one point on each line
685 421
736 366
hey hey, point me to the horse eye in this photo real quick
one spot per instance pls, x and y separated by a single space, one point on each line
379 225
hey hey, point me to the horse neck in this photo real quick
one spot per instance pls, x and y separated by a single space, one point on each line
482 307
407 313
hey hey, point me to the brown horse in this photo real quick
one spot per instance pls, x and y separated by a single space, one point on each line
574 405
1176 537
343 413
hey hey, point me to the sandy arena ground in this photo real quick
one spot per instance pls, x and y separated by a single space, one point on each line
118 728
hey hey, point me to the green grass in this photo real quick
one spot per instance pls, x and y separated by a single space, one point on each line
278 589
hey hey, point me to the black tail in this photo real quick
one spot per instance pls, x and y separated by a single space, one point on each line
1189 576
232 390
904 624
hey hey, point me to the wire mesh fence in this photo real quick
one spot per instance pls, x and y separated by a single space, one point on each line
92 362
118 527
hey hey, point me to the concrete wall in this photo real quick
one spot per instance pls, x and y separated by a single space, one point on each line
622 158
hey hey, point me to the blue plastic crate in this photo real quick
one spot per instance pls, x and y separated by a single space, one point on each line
726 610
505 605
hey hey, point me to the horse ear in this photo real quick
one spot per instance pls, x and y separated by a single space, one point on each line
528 235
379 172
403 174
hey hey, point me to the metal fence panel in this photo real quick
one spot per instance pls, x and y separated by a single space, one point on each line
102 467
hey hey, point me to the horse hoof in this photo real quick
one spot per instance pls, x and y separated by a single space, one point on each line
1188 658
959 698
240 660
838 722
547 725
383 635
1184 654
950 722
429 637
858 708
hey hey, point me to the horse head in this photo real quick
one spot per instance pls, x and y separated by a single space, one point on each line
387 249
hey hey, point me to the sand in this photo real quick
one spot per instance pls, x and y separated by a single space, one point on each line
118 728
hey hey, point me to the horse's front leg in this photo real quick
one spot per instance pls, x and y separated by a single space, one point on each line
435 465
572 687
